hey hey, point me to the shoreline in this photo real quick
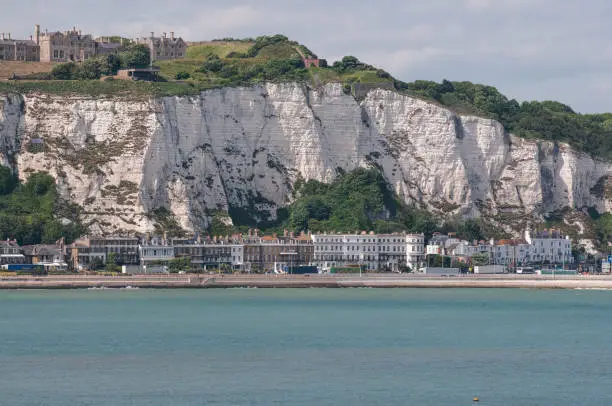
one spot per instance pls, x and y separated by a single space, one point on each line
300 281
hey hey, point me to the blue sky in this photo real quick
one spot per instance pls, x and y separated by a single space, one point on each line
529 49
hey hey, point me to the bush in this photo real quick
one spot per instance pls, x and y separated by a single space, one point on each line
31 212
182 75
90 69
136 56
382 74
212 64
350 64
65 71
8 181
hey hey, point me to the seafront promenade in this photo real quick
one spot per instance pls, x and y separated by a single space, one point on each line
303 281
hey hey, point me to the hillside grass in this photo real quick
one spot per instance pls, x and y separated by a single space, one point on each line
8 68
94 88
201 51
278 51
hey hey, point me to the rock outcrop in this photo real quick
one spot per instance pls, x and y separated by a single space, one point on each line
242 149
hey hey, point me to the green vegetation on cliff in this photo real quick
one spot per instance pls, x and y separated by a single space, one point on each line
233 62
360 200
33 212
547 120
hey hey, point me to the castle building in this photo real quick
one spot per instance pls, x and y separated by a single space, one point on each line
67 46
164 48
17 49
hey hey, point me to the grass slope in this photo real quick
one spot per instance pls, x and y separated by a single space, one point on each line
201 50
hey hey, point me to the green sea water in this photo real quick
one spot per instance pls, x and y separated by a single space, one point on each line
306 347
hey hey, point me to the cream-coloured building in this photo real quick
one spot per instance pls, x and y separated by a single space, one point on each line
373 251
164 47
64 46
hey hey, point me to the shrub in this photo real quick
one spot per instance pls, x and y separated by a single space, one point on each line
136 56
212 64
182 75
65 71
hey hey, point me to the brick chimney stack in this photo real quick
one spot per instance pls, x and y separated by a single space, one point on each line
37 33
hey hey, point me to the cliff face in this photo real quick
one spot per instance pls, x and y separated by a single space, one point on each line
242 149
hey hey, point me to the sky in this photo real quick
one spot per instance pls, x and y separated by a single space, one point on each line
529 49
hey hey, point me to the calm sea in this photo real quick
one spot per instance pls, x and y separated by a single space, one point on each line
306 347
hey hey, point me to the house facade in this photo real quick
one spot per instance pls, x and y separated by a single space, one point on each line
18 50
164 47
87 250
383 252
67 46
10 253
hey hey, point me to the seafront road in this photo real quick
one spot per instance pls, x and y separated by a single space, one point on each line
307 281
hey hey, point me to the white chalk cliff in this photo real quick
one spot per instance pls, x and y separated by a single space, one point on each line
243 148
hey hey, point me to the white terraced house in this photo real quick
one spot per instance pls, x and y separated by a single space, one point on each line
380 252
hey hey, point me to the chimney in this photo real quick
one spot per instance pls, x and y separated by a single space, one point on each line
37 33
164 35
30 38
9 35
172 36
152 34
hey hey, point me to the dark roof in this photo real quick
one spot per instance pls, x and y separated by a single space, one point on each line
41 249
18 42
27 42
106 45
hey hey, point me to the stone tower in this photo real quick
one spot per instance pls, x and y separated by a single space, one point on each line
37 34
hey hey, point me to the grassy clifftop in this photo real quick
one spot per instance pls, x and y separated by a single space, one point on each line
231 62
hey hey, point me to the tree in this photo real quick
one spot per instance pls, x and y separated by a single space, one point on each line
95 264
111 263
40 183
8 181
382 74
603 228
64 71
446 87
89 70
480 259
136 56
110 65
228 71
212 64
177 265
